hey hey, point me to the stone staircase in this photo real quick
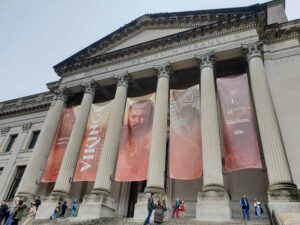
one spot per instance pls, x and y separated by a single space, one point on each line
127 221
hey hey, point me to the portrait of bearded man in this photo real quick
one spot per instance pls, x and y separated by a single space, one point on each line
135 142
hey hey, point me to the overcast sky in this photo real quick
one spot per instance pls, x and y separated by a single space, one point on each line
35 35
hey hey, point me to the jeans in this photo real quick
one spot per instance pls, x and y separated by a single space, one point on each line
258 213
147 221
246 214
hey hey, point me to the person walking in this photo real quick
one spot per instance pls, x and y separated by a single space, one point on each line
159 210
3 211
176 208
37 201
31 215
56 212
244 203
150 207
258 209
64 207
11 211
18 215
74 209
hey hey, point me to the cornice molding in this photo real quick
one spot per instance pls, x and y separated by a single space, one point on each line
175 40
280 32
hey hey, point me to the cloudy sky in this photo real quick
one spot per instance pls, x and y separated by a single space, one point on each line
35 35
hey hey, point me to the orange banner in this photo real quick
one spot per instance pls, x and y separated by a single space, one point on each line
134 150
238 128
185 134
59 145
92 143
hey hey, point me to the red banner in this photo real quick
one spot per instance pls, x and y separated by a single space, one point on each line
59 145
134 150
185 134
92 143
238 127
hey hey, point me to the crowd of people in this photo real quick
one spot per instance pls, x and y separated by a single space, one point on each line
12 213
178 209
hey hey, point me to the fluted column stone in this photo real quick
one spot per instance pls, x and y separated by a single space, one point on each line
279 174
213 200
112 139
100 203
66 171
157 159
34 170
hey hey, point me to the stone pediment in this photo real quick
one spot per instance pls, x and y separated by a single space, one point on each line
151 27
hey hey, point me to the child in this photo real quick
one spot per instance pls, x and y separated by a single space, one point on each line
182 209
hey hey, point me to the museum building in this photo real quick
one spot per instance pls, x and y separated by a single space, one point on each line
165 63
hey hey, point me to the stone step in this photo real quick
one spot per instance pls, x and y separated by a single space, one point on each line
126 221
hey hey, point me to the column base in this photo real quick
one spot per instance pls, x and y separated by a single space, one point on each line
155 190
141 207
47 207
213 204
283 192
97 205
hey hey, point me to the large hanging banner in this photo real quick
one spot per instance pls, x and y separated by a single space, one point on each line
59 145
92 143
134 149
185 134
238 127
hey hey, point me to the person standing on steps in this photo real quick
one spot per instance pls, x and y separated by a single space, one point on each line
150 207
176 206
159 210
258 209
244 203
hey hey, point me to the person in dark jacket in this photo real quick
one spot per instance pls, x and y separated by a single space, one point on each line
159 210
150 207
18 215
64 207
3 210
244 203
37 201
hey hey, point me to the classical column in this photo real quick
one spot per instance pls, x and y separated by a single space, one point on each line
281 182
34 170
66 171
157 160
100 203
213 201
112 139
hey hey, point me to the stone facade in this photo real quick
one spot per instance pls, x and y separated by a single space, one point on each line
153 54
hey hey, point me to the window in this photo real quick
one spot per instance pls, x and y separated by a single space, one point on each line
35 135
15 183
11 142
1 170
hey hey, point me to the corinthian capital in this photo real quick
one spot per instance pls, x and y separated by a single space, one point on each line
122 79
163 70
61 94
253 50
206 60
90 87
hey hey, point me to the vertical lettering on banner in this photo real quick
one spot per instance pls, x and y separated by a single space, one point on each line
92 143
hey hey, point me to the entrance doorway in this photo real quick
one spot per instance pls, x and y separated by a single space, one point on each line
135 189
